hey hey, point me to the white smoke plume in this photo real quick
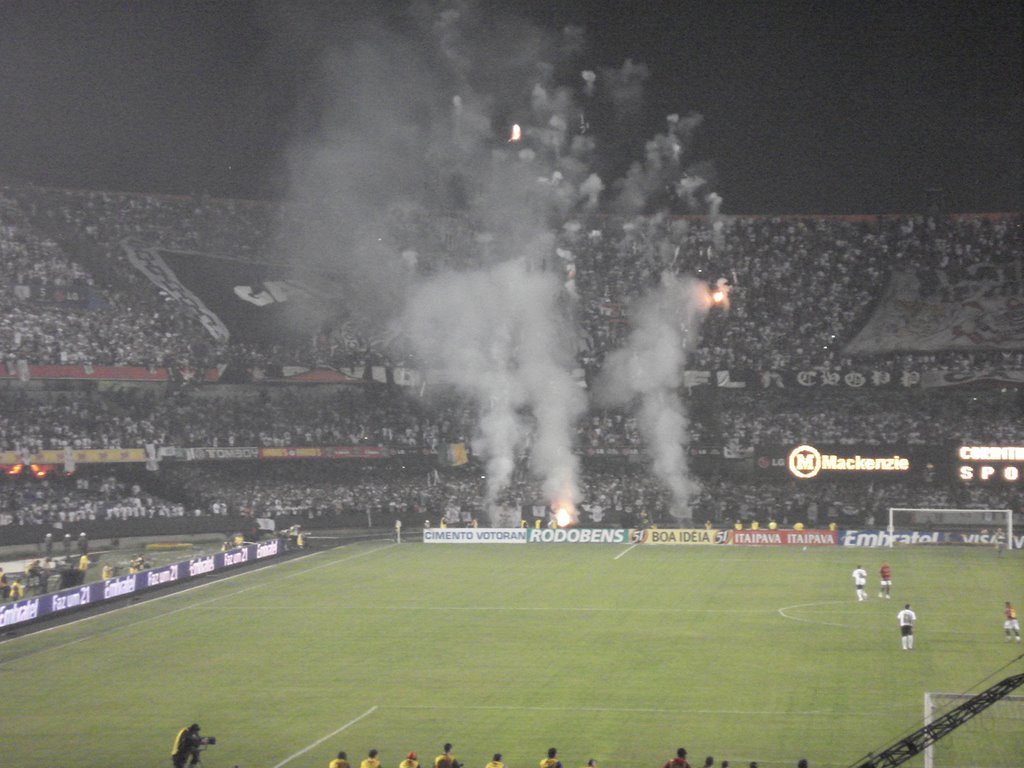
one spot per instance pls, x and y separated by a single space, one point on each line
497 336
648 372
416 123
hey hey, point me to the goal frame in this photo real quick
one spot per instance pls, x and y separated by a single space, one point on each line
952 698
1007 529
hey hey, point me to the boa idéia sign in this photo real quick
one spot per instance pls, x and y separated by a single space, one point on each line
678 536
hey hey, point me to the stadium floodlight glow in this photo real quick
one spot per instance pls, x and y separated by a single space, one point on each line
970 522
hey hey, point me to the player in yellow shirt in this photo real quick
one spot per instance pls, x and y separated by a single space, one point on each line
496 761
446 759
410 761
341 761
551 761
371 760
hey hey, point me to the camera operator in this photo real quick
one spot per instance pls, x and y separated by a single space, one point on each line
187 746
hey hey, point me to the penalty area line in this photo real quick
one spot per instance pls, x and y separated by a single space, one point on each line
627 550
318 742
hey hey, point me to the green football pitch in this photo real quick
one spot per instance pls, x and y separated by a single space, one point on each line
602 651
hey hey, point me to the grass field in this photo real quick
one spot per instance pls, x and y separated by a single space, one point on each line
744 654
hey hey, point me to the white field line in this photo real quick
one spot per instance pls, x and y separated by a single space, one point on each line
183 608
638 710
522 609
627 550
782 612
318 742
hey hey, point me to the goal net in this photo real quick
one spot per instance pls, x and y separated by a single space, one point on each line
950 526
992 739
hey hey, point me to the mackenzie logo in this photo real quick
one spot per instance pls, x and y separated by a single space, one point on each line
806 461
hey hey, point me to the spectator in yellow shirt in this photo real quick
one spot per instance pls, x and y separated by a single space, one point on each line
798 526
496 761
371 760
446 759
341 761
410 761
551 761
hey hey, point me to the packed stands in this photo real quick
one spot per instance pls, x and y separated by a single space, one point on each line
799 368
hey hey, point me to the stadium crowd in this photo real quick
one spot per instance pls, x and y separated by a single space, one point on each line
800 288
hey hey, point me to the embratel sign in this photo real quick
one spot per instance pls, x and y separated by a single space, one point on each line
806 462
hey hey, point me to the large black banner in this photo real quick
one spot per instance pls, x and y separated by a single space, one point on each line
250 301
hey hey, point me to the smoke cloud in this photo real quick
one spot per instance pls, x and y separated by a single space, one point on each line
415 123
648 373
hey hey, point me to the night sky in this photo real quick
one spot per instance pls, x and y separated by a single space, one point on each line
831 107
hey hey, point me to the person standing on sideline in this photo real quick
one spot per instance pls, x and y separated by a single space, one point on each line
906 618
679 761
496 761
371 760
885 579
1011 625
341 761
446 759
410 761
860 578
551 761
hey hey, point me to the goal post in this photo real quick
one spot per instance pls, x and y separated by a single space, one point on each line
993 739
973 524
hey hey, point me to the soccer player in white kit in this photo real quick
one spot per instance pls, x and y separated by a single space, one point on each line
906 618
860 579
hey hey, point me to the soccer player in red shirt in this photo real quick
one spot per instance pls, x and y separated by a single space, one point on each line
1011 625
885 576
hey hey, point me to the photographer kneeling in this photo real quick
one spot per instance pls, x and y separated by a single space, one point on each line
187 746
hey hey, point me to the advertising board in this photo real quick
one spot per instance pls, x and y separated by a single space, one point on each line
783 538
474 535
677 536
30 609
578 535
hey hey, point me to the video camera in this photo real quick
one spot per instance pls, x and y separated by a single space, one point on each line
207 741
